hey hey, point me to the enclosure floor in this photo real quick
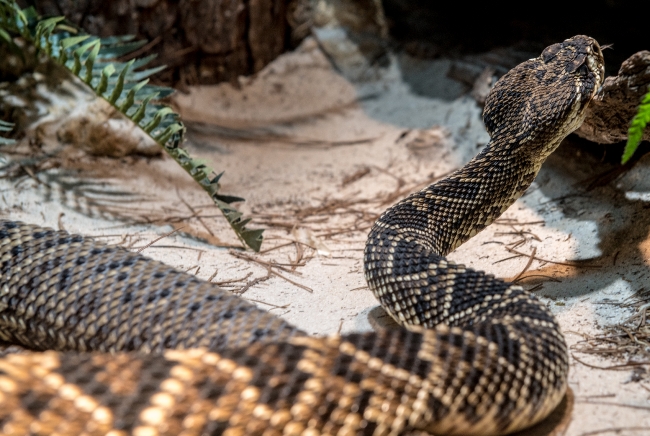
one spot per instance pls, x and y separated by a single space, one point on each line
317 159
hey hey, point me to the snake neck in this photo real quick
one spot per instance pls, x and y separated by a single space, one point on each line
447 213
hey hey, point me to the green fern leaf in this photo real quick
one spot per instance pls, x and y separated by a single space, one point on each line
72 41
168 132
66 43
130 99
118 39
637 126
6 127
119 50
139 114
141 62
119 86
141 75
157 119
90 60
78 53
229 198
107 72
44 29
129 91
4 35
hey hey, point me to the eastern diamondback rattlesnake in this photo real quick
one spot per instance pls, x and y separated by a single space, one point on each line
491 360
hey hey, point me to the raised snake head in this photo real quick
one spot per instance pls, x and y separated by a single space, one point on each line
540 101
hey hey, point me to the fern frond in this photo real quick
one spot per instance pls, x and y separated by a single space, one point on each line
92 59
5 127
637 126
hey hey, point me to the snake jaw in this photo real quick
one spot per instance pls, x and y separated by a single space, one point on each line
596 63
594 66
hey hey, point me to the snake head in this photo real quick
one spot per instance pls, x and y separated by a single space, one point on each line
581 57
540 101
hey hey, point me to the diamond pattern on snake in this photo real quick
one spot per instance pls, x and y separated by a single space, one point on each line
127 345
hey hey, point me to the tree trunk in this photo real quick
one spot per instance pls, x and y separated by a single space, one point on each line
201 41
609 114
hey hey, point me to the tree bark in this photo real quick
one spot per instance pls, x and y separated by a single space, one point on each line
201 41
610 112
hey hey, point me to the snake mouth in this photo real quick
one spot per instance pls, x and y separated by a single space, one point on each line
596 63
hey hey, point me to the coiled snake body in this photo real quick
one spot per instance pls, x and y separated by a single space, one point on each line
478 356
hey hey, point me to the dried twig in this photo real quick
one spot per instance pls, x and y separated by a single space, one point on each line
610 403
275 306
60 221
198 268
139 250
359 174
511 222
306 288
253 282
214 274
261 262
269 266
615 430
575 263
528 264
276 247
550 278
624 366
195 214
519 233
227 282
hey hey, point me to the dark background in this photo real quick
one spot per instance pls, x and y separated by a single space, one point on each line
209 41
454 28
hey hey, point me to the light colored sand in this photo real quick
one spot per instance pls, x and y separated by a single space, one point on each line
292 142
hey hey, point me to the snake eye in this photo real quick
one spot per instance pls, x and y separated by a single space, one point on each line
583 70
595 48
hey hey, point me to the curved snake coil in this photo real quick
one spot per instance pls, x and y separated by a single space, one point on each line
478 356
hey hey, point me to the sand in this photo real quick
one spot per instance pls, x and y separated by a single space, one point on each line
317 157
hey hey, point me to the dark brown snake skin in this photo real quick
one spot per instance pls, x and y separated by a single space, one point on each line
491 360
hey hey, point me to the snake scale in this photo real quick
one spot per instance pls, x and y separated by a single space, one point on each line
136 347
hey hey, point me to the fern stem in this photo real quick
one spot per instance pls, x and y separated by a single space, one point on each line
69 46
